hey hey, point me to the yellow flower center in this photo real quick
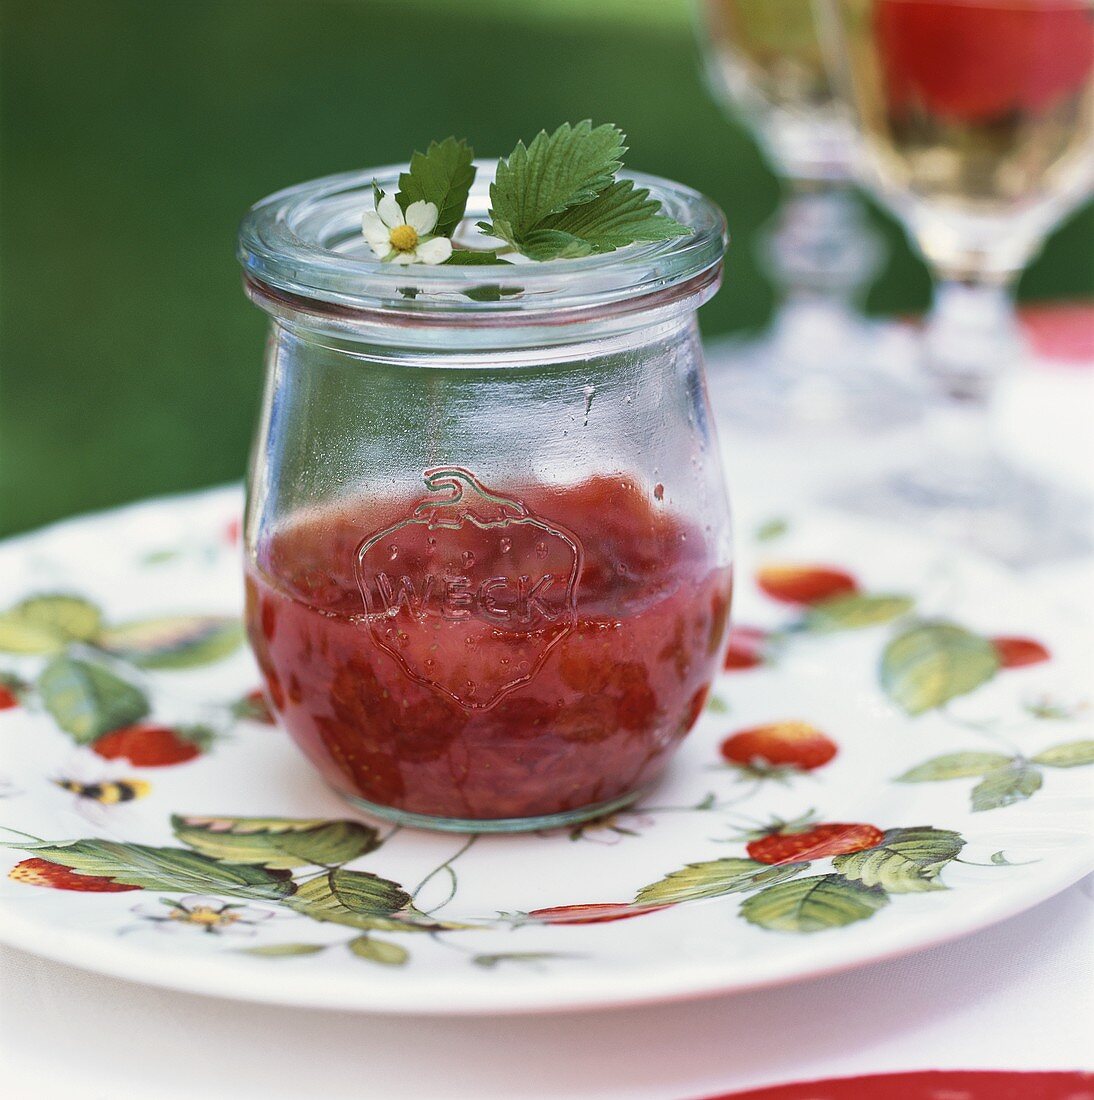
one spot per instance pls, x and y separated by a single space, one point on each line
205 916
404 238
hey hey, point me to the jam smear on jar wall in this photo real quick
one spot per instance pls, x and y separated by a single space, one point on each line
489 652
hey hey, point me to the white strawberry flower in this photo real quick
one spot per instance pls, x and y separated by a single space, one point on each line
402 238
202 913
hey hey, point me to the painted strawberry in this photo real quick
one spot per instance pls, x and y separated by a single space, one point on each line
804 584
791 744
803 840
1019 652
746 648
597 913
254 708
146 745
11 690
40 872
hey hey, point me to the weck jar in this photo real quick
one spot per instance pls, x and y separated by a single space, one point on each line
488 559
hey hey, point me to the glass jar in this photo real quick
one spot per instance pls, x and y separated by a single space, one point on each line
487 538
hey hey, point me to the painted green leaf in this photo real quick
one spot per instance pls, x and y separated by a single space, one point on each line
351 898
933 662
284 950
27 639
1072 754
174 642
489 962
407 920
856 610
772 529
907 861
1005 786
813 904
367 893
171 869
47 623
714 878
954 765
275 841
378 951
87 700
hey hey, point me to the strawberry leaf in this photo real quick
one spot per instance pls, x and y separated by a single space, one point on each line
351 898
442 175
854 611
931 663
174 642
276 842
492 292
954 765
1004 786
46 623
1072 754
907 861
170 869
378 951
813 904
489 962
87 700
554 172
284 950
713 879
468 257
618 216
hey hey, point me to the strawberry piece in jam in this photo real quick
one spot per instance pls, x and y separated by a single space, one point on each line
477 655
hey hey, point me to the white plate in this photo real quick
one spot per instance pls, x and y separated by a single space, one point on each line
179 557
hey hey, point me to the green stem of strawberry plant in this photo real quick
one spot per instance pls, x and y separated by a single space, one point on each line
447 867
983 728
704 806
1008 863
19 832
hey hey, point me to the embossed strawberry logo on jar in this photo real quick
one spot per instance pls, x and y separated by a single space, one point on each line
471 591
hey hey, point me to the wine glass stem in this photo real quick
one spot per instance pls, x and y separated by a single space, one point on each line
971 340
821 246
821 252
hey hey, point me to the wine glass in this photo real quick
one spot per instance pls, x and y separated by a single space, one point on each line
821 364
976 120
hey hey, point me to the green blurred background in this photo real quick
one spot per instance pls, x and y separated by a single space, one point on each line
134 133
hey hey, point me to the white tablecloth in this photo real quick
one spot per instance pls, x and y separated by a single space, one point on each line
1007 998
1014 997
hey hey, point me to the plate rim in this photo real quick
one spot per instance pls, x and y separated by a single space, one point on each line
204 977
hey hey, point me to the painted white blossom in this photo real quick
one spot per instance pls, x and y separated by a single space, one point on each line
202 913
405 239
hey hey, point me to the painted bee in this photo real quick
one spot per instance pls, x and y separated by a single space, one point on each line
106 793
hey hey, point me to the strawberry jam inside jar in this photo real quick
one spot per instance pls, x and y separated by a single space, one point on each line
488 560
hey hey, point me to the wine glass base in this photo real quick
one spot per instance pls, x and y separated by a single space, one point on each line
827 378
997 509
